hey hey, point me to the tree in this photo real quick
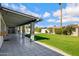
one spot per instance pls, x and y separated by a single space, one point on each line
68 30
38 29
58 30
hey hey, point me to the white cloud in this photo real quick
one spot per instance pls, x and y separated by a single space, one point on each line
14 7
51 20
5 4
69 19
56 13
69 13
24 9
21 8
32 13
71 9
10 5
46 14
50 25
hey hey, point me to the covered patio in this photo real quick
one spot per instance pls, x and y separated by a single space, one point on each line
13 22
12 35
17 46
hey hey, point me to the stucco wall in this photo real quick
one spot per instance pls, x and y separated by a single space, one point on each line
2 30
1 37
44 30
76 32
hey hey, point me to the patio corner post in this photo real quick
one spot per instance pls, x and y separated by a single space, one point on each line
19 31
32 30
23 31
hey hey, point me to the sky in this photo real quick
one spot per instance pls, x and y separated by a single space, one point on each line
49 12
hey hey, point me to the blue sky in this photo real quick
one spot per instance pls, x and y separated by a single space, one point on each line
49 12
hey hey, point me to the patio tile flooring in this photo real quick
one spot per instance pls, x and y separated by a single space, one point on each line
17 46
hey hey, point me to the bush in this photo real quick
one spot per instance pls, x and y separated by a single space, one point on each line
68 30
65 30
37 29
58 30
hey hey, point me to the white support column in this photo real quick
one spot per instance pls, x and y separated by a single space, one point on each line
19 31
23 31
32 30
16 30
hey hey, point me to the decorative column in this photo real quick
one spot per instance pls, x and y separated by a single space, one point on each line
32 30
23 31
19 30
16 30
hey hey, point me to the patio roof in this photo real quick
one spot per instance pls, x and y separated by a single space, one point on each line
13 18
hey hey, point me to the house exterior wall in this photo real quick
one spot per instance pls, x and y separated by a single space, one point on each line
44 30
1 37
3 30
76 32
53 30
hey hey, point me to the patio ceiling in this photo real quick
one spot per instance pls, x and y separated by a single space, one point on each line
13 18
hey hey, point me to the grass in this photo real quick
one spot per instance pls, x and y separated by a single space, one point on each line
68 44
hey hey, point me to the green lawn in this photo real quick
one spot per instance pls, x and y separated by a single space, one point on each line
68 44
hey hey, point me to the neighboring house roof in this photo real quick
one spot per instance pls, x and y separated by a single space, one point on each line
13 18
76 26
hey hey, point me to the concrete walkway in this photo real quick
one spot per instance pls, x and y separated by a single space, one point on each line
16 46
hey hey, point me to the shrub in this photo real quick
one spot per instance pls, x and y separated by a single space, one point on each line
58 30
37 29
68 30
